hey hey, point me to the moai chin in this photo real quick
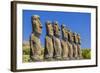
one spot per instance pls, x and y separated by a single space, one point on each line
70 44
35 44
64 42
56 41
49 50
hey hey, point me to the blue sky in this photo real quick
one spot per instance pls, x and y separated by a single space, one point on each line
75 21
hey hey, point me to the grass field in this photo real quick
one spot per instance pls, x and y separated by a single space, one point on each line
86 53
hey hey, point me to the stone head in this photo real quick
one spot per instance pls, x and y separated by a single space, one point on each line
70 36
56 29
36 24
49 28
74 37
64 32
78 38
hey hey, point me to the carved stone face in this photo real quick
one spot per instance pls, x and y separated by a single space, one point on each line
74 37
78 38
49 28
36 24
64 32
56 29
70 38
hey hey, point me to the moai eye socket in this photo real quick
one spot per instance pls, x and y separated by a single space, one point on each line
48 23
55 24
34 18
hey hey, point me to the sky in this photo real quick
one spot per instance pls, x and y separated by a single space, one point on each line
75 21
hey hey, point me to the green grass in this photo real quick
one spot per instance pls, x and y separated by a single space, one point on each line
86 53
26 58
26 51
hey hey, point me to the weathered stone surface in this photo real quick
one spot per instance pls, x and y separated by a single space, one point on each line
74 46
35 44
57 41
36 25
79 46
64 42
49 50
70 44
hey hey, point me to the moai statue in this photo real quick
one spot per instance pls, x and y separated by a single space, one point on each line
79 46
49 50
57 41
75 50
64 42
70 44
35 44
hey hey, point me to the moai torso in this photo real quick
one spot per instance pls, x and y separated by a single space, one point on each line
35 44
64 42
35 47
56 41
49 50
